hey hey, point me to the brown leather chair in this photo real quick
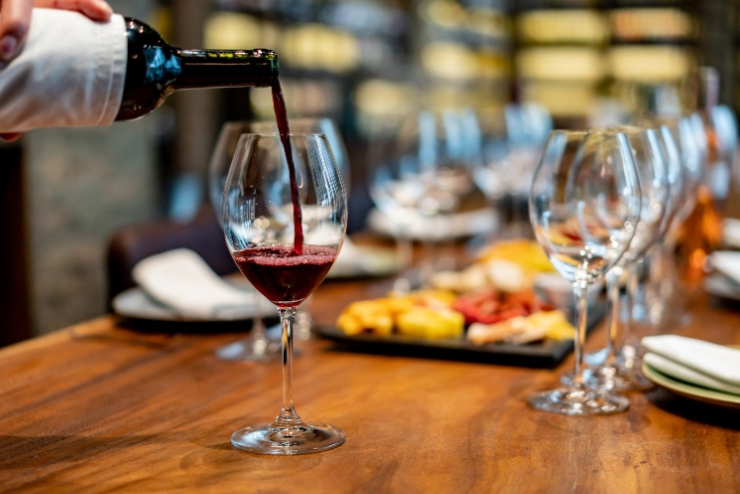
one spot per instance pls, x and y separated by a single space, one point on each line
129 245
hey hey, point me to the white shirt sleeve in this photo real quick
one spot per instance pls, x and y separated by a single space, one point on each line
70 72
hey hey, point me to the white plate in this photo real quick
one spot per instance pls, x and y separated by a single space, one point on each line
444 227
134 303
691 391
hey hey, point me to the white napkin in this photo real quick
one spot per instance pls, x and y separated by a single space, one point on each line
728 263
181 280
671 368
696 361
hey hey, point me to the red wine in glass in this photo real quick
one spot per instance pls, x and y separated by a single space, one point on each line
281 275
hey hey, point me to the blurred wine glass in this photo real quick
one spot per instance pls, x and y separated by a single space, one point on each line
584 204
651 151
421 176
511 140
448 142
395 187
257 346
702 231
660 305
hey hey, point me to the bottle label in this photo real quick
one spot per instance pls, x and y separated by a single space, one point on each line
160 67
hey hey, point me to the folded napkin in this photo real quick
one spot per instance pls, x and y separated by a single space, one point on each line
695 361
181 280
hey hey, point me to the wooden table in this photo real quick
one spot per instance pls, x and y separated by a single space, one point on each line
99 408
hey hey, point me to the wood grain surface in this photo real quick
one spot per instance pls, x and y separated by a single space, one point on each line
102 408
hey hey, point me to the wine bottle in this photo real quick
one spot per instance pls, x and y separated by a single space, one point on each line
75 72
155 70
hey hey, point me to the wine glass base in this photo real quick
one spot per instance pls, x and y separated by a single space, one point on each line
251 349
611 378
596 358
302 326
578 401
629 367
298 439
632 379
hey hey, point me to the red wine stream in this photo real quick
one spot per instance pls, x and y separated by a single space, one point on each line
281 115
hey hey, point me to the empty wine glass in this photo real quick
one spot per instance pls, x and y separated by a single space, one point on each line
426 169
584 206
394 185
285 219
528 126
684 164
511 142
257 346
448 144
651 151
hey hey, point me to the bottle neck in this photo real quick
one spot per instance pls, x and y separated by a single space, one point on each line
226 68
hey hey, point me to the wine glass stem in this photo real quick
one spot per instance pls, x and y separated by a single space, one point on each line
288 415
612 323
405 254
404 249
258 324
632 287
580 291
668 276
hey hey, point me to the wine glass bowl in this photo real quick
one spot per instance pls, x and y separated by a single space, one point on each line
653 150
285 218
584 207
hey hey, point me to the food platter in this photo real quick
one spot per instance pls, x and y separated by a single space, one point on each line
543 354
507 307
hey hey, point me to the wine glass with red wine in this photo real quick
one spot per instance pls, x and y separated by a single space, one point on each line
285 219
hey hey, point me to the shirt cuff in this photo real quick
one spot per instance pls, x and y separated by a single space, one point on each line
70 72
